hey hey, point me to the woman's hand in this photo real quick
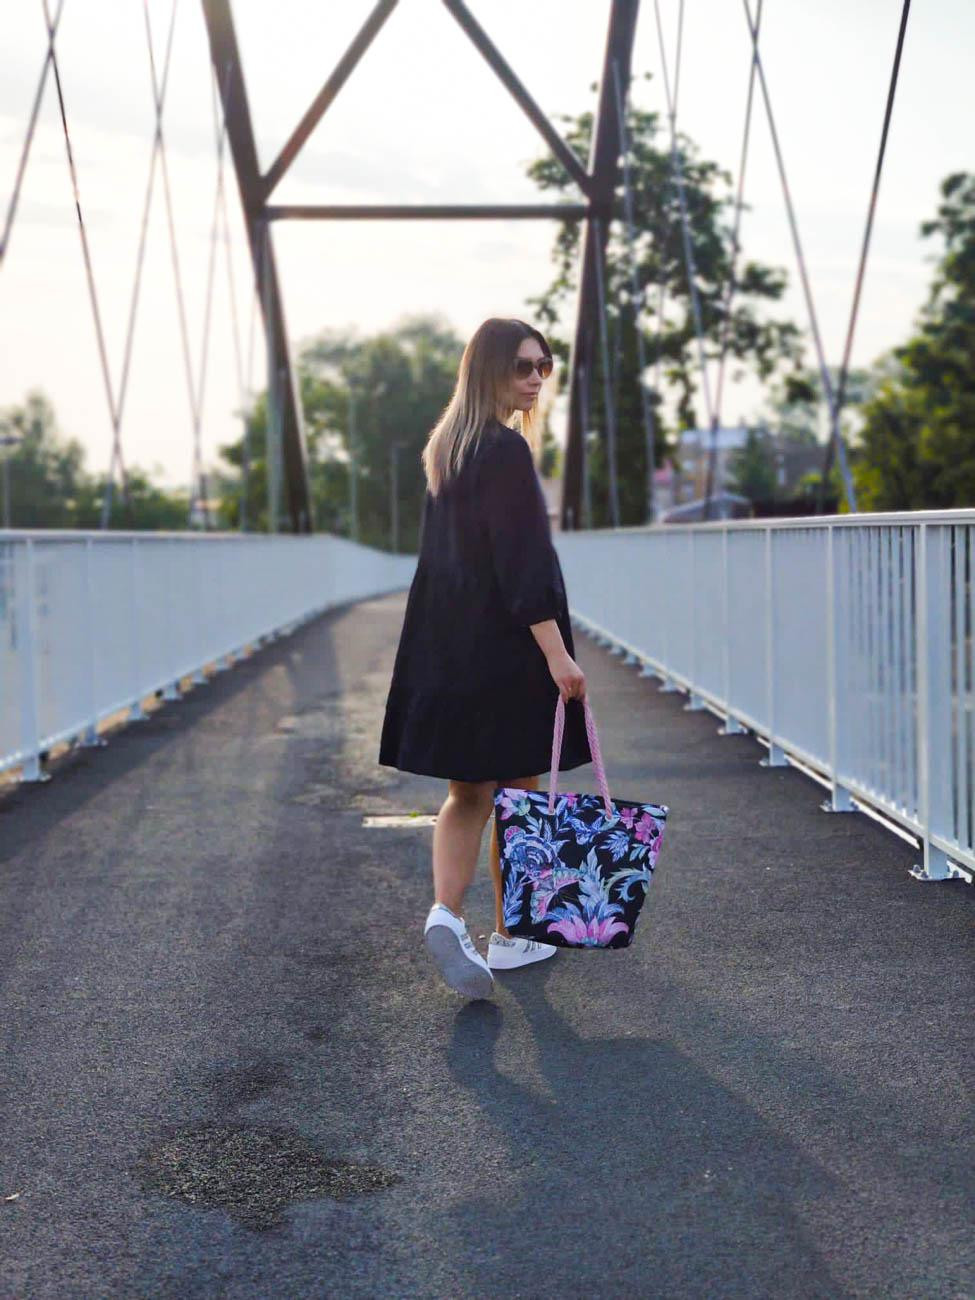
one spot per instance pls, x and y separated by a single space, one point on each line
567 675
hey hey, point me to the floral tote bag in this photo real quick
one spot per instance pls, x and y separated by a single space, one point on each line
575 868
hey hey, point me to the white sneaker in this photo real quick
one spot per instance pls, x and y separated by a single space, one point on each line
506 954
452 948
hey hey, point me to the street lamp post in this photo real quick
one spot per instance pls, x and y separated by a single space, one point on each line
394 495
353 470
7 440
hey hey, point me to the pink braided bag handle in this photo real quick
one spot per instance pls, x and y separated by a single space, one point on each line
597 758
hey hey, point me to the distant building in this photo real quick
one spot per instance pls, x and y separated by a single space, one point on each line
694 451
679 493
664 487
792 461
723 505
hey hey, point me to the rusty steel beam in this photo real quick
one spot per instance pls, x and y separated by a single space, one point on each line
282 390
499 65
340 75
597 183
604 167
414 211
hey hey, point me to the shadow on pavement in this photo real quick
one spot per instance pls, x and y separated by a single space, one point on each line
638 1171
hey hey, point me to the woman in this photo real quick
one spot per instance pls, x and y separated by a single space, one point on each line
486 647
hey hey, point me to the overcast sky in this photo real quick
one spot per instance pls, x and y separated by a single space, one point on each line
423 119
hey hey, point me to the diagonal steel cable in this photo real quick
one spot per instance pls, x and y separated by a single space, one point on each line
52 28
245 374
85 250
199 473
646 407
800 257
678 171
194 390
609 411
837 407
732 272
736 233
220 218
140 261
219 206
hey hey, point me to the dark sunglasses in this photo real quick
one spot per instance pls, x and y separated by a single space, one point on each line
524 366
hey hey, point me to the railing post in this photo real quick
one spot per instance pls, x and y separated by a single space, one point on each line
171 690
90 738
667 684
840 799
199 677
219 586
731 726
30 739
929 633
776 754
136 712
694 702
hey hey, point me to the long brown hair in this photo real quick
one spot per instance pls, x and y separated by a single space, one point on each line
483 378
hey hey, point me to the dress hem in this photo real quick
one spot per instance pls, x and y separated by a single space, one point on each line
546 771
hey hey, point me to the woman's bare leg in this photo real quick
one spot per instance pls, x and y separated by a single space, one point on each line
494 855
457 840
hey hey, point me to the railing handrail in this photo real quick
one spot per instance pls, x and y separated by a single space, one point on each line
153 534
903 517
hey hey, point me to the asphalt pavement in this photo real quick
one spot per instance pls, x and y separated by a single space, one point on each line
229 1069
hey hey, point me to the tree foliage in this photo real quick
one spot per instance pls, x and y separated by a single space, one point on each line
51 488
755 339
917 442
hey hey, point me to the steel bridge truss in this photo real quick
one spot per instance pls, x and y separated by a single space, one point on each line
596 179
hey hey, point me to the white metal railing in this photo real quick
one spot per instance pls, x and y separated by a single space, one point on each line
846 644
92 623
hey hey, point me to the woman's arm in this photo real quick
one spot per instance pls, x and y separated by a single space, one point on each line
566 673
549 638
524 561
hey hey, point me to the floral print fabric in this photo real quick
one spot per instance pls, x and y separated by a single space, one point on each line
575 877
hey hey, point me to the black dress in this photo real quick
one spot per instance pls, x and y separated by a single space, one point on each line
471 696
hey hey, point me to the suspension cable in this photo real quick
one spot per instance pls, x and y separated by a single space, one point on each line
614 504
725 337
636 291
86 253
220 137
855 307
678 172
243 378
137 281
52 28
800 257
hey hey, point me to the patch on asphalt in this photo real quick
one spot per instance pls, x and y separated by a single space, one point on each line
237 1085
400 819
252 1173
312 724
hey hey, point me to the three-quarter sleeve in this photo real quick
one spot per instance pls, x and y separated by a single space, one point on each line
518 528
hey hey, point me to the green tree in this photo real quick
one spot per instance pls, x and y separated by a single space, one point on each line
754 338
50 487
751 469
399 381
149 507
917 441
46 470
797 416
243 498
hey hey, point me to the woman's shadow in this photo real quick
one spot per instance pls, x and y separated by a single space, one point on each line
638 1174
